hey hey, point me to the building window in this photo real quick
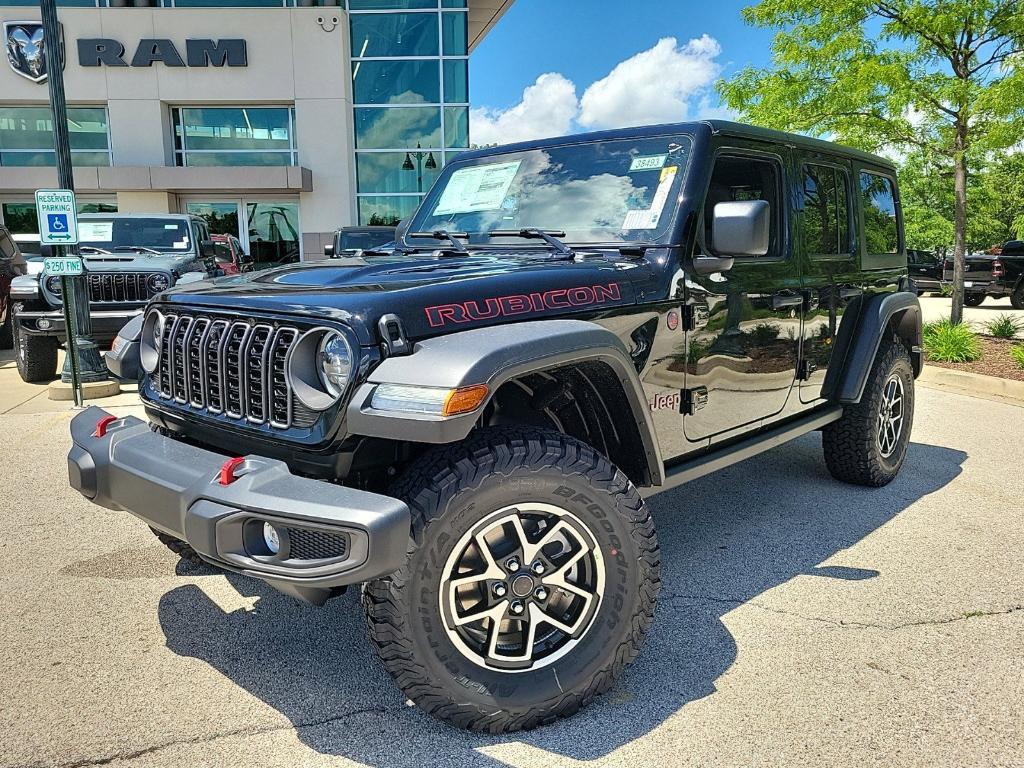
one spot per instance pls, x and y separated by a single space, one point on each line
26 136
410 86
215 136
878 198
826 224
21 219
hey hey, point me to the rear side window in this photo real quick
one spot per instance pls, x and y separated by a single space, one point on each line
826 210
878 198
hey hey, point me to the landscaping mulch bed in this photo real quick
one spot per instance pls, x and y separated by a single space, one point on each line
995 360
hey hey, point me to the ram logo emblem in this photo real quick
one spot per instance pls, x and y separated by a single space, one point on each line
25 42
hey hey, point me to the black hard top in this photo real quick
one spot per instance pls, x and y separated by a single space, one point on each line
716 127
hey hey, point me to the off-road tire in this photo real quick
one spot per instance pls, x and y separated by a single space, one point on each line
973 299
178 547
7 330
1017 297
37 357
452 488
851 446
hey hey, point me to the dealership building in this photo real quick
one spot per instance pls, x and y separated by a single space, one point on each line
276 121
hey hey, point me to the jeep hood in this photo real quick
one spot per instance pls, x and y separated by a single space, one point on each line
135 262
430 294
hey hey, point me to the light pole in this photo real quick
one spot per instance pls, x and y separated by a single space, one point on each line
79 331
430 164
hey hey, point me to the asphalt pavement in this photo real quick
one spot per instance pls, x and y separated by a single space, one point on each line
802 622
934 307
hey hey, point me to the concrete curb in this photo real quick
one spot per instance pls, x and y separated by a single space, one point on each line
973 384
91 390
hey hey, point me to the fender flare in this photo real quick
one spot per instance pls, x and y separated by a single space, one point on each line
846 383
493 356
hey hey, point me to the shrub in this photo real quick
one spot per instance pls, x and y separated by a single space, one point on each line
1017 353
763 334
949 343
1004 327
945 289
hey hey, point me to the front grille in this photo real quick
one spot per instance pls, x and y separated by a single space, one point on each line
230 367
119 286
305 544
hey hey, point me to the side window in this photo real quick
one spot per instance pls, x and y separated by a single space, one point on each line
826 224
878 199
738 177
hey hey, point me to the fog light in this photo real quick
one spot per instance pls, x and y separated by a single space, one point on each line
271 538
43 324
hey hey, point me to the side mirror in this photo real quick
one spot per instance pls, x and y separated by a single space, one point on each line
329 250
741 228
208 249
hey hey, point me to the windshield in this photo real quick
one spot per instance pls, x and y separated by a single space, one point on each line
595 192
158 234
364 241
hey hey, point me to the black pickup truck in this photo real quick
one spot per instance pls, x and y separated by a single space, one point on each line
991 275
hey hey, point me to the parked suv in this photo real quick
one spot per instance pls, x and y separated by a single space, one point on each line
12 265
129 259
470 425
352 241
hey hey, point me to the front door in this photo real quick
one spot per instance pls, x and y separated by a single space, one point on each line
741 358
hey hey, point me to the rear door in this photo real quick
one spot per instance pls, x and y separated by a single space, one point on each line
741 360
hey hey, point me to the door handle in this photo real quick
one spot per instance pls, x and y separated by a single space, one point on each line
783 300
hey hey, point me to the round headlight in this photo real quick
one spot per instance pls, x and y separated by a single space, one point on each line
151 340
335 363
53 285
159 282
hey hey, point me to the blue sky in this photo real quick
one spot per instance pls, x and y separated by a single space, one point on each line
584 40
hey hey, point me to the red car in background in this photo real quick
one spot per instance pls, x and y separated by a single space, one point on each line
230 255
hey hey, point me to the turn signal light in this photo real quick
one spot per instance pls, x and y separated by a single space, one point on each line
464 400
227 470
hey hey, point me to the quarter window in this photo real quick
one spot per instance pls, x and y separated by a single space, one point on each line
26 136
878 199
205 136
826 210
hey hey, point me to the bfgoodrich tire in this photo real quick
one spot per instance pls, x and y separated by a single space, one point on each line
868 444
37 357
177 546
514 529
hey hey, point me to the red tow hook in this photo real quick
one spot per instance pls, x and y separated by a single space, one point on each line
227 470
102 424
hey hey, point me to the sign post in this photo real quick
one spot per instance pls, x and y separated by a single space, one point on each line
82 362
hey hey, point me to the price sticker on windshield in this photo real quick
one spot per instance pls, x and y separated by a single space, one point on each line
68 266
649 163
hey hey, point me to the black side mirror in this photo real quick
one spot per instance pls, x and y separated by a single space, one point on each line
741 228
329 250
208 249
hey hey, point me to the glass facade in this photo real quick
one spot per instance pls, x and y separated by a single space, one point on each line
205 136
410 87
26 136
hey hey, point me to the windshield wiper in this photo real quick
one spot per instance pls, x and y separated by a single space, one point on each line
444 234
140 248
93 249
549 236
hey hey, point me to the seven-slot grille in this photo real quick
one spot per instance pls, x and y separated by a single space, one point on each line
119 286
229 367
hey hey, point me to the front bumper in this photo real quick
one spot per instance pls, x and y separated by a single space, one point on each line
176 488
105 323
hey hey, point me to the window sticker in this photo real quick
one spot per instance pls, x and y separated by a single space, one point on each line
170 226
95 231
648 163
648 218
480 188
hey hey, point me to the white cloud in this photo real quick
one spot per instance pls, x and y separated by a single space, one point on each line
654 86
547 109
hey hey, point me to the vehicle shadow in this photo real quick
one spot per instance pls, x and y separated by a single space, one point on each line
725 539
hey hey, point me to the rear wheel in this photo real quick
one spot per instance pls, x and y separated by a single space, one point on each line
868 444
37 357
1017 297
974 299
531 581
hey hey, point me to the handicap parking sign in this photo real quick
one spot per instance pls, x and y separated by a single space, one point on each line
58 224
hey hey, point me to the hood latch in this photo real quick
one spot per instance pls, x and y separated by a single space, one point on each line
392 335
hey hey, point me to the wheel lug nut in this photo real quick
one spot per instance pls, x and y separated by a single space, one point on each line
541 593
512 564
538 567
516 607
500 589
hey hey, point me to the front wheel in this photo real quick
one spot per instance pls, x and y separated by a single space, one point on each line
7 330
868 444
37 357
531 581
973 299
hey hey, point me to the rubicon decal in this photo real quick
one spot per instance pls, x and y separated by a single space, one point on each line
520 304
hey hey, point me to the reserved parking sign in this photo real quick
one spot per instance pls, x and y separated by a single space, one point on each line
56 210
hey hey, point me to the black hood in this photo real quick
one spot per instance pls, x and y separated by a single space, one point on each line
430 294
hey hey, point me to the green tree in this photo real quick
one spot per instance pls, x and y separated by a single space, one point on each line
944 77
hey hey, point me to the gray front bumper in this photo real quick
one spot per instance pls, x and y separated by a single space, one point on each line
175 488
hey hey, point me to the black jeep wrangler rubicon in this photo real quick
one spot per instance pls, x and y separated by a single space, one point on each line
469 425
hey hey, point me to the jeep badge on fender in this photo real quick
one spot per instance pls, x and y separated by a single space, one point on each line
467 423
